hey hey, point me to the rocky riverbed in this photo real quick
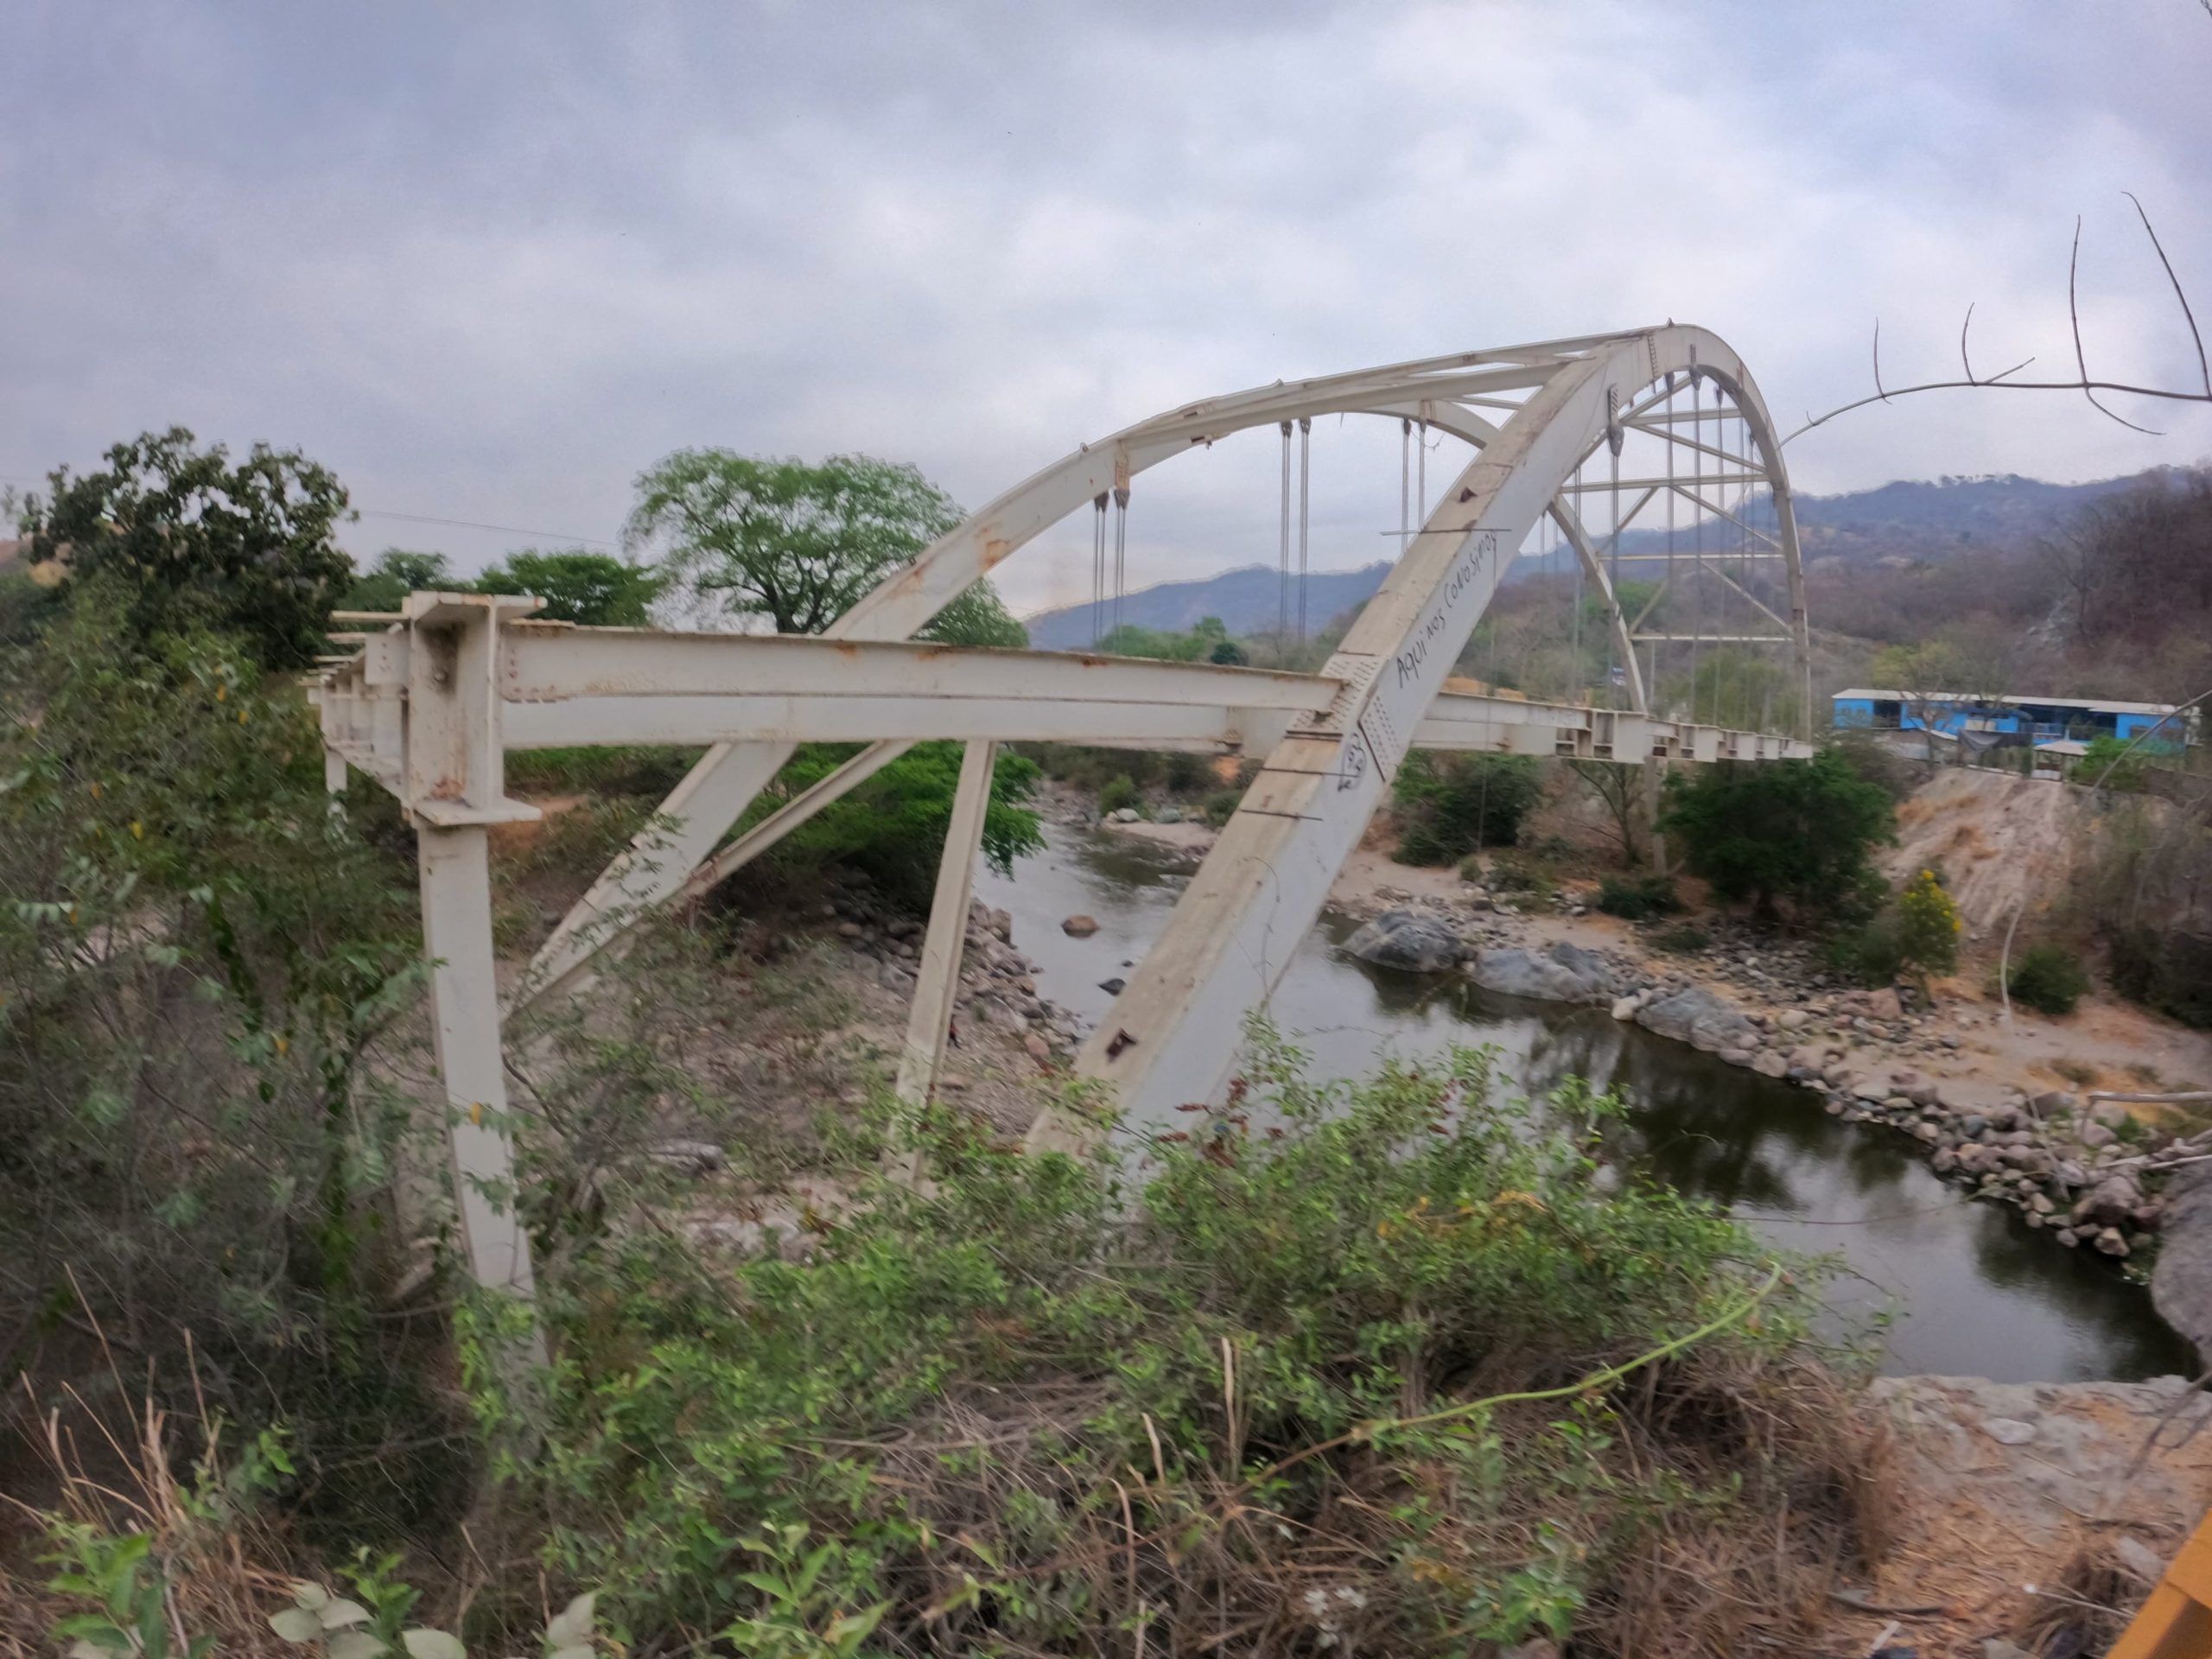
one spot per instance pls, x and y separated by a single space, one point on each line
2088 1172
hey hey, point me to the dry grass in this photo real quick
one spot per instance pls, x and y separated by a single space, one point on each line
121 1479
2080 1073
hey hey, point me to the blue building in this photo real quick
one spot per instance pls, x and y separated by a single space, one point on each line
2002 722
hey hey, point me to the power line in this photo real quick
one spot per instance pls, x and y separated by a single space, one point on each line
471 523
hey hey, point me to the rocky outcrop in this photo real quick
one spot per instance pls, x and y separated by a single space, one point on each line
1698 1017
1411 943
1565 973
2181 1283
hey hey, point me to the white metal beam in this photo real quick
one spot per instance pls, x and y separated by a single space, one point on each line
936 982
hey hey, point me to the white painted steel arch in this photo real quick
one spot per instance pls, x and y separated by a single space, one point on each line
1571 387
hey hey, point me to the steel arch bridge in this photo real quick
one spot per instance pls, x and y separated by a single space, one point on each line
430 703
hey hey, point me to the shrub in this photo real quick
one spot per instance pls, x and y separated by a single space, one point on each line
928 1423
891 829
1450 805
1118 793
1799 833
1868 954
2166 968
1219 806
2101 762
1638 900
1186 774
2049 978
1684 938
199 967
1928 926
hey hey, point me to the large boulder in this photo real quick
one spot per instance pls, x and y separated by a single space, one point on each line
1700 1018
2181 1283
1565 973
1410 942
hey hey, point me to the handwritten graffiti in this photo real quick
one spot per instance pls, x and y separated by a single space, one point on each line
1413 659
1352 765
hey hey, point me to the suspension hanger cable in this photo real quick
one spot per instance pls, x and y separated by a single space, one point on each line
1673 450
1405 483
1697 538
1282 557
1305 480
1098 567
1121 550
1581 679
1421 475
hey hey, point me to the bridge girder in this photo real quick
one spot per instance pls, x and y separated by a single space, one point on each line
429 707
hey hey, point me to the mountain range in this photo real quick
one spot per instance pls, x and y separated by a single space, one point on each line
1909 522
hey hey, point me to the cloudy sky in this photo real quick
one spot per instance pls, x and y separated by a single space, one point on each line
488 262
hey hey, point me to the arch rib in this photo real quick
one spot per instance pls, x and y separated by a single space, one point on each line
1556 374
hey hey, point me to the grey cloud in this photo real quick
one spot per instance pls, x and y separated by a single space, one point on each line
490 261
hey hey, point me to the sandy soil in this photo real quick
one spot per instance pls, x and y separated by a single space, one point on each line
1981 1519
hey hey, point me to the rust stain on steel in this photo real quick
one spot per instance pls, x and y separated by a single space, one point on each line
994 549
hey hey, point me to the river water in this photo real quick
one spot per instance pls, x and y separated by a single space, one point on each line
1960 1287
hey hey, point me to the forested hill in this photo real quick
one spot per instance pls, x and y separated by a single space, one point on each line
1916 521
1248 598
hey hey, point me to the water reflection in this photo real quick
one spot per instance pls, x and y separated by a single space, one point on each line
1981 1292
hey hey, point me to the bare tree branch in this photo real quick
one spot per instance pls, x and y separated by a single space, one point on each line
2203 367
2083 384
2080 362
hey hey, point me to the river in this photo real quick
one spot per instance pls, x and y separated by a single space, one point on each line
1964 1288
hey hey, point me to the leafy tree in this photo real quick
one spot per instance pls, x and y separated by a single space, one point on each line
799 545
1448 805
1795 832
395 574
892 827
592 590
196 541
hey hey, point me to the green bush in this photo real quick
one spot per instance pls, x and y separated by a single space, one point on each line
1448 805
1186 774
891 829
1638 900
1219 806
629 769
200 970
2101 762
1799 834
1118 793
1870 953
2048 978
929 1422
2164 968
1684 938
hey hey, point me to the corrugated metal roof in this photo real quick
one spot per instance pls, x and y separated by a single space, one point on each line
2100 705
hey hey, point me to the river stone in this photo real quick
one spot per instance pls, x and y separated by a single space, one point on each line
2181 1283
1696 1016
1411 944
1079 927
1564 973
2110 1201
1767 1064
2008 1431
